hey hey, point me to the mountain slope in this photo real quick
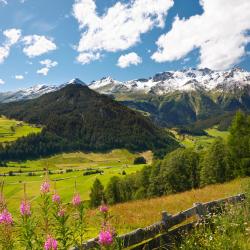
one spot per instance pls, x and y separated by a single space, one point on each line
76 117
172 98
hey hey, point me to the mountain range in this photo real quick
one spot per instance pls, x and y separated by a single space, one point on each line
171 98
78 118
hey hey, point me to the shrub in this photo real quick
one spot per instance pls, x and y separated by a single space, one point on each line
140 160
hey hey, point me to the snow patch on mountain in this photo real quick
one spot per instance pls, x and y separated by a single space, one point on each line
171 81
160 84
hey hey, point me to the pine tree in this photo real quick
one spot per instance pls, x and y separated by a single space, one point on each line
216 164
239 143
97 193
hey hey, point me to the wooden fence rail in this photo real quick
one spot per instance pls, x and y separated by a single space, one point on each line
153 235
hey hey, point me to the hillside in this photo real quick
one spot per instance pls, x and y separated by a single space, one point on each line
137 214
75 117
171 98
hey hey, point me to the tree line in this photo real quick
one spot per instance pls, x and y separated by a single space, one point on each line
184 169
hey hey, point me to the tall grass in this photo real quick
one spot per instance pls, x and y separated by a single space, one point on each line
229 230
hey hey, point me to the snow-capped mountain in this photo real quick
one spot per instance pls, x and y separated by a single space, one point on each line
183 81
34 92
160 84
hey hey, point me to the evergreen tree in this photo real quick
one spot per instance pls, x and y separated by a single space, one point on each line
239 143
179 171
113 191
96 194
216 164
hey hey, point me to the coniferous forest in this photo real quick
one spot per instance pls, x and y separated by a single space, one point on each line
185 169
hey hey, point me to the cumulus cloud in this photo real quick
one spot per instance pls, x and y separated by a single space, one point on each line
34 45
4 2
220 33
19 77
11 37
37 45
87 57
127 60
2 81
48 64
119 28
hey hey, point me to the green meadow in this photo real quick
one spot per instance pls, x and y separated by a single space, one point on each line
199 142
10 130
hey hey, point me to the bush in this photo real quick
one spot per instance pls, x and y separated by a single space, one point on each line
140 160
90 172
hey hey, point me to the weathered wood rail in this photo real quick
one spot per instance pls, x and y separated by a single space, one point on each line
160 233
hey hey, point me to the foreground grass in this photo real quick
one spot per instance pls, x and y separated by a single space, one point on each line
136 214
11 130
227 231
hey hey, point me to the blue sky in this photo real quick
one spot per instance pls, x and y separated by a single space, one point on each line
53 41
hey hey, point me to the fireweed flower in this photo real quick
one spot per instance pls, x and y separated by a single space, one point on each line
104 208
56 198
105 238
45 187
50 244
25 208
6 218
76 201
61 212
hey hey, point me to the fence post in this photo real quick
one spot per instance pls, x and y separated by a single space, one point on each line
200 210
165 217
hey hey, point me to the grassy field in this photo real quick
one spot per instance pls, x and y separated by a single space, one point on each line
77 161
200 142
10 130
112 163
135 214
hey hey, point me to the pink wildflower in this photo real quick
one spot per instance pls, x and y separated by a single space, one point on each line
56 198
105 238
45 187
104 208
6 218
25 208
61 212
50 244
76 201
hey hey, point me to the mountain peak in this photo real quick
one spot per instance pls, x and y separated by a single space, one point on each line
76 81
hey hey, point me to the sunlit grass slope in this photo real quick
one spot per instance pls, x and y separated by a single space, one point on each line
190 141
10 130
112 163
135 214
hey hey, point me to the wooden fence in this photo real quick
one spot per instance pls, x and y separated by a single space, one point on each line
160 233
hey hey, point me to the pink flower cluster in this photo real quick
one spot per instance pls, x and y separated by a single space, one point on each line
61 212
25 208
45 187
76 201
6 218
104 208
56 198
105 237
50 244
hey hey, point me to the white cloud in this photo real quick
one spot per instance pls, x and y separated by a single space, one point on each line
48 64
127 60
86 58
37 45
219 33
11 37
119 28
2 81
4 2
19 77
